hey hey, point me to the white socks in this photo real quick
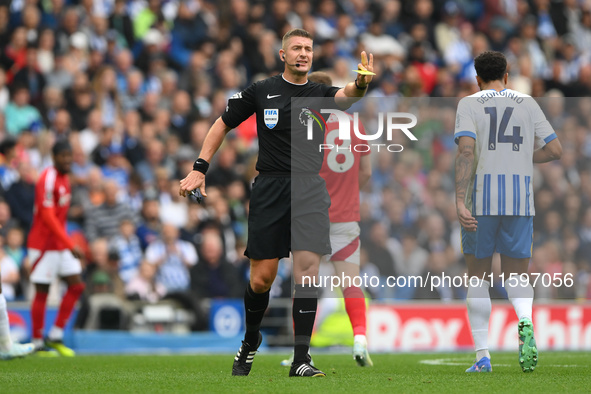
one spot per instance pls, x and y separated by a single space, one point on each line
522 297
479 307
5 340
56 334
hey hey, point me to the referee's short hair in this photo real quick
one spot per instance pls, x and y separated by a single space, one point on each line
490 66
320 77
295 33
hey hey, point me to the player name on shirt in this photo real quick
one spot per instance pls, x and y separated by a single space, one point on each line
507 93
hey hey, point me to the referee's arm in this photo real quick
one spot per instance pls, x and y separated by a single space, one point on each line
353 91
213 140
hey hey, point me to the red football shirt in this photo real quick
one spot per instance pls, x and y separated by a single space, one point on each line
52 201
340 170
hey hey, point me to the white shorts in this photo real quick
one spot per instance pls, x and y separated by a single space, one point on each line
344 241
49 264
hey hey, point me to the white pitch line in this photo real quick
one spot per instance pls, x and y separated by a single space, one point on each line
455 363
566 366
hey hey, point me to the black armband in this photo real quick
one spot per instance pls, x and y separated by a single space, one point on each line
359 87
201 165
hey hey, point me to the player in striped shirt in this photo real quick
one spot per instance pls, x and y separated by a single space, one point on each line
497 131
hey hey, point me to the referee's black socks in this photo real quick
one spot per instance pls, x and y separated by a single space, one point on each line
305 303
255 306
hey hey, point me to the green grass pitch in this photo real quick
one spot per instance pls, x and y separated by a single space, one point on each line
556 372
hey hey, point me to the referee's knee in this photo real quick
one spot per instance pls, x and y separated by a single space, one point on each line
261 283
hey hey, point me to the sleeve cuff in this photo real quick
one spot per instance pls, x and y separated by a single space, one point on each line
551 137
464 134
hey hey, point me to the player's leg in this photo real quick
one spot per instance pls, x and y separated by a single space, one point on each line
479 309
38 320
305 305
268 240
55 337
515 246
44 268
310 240
256 301
478 298
9 349
256 297
356 310
519 290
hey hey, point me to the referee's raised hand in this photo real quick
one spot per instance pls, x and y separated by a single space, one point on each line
195 180
365 65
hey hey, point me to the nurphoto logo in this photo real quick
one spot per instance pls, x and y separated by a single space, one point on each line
309 117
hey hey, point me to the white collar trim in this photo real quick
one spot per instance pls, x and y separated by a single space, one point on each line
297 84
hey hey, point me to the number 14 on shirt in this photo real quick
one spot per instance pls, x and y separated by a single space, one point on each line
516 139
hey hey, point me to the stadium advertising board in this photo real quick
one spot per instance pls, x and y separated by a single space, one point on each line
433 327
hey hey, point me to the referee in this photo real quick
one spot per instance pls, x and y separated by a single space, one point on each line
273 229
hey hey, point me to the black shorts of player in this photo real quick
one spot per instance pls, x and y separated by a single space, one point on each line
288 213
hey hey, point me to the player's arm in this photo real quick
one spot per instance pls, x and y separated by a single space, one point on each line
353 91
215 136
364 170
240 107
549 152
544 134
49 218
464 166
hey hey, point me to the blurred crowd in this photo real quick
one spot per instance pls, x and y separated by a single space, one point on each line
135 85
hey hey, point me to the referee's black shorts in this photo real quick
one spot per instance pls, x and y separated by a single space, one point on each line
286 214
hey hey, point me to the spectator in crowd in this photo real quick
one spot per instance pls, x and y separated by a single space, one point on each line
8 174
214 277
127 246
173 258
134 86
45 53
103 221
150 226
379 250
31 77
120 22
410 260
20 115
15 246
6 220
21 195
144 286
116 167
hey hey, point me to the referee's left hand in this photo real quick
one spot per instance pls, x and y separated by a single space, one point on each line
195 180
367 65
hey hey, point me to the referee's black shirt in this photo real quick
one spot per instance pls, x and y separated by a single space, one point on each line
275 134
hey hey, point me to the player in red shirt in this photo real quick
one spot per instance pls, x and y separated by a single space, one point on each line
345 173
51 252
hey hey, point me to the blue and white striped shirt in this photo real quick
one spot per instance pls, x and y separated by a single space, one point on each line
173 273
507 126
